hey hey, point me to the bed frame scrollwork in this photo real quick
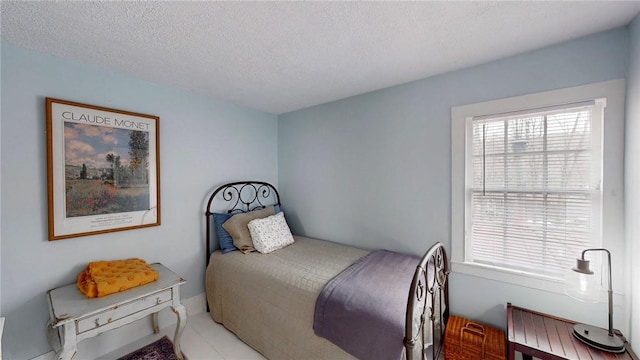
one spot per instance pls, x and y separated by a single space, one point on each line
428 306
239 196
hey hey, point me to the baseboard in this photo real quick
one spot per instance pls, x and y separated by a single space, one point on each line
117 338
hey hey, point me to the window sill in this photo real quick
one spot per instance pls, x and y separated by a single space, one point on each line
525 279
520 278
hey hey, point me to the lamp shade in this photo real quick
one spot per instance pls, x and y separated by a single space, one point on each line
582 285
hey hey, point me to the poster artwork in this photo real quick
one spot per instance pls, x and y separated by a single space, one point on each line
103 169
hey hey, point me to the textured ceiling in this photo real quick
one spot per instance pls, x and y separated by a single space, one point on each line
283 56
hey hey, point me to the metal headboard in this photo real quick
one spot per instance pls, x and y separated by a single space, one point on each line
428 303
239 196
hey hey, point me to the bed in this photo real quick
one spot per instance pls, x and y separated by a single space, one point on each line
283 302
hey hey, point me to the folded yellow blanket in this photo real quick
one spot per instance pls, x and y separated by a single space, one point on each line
102 278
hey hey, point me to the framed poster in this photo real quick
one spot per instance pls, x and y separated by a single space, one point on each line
103 169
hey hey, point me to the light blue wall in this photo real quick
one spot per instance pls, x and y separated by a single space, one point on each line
203 143
632 175
374 170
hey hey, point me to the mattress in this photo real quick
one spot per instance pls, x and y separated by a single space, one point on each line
268 300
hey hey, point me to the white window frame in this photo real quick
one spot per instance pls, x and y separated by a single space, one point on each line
612 91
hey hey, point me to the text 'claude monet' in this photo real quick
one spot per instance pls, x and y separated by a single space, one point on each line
105 120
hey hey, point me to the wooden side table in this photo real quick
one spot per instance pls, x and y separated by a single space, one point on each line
548 338
74 317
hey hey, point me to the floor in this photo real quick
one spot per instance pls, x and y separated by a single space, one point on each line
202 339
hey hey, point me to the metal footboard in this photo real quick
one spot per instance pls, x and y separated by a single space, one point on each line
428 306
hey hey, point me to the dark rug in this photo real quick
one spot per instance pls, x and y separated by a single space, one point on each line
160 350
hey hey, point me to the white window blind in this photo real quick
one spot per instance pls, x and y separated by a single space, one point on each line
534 185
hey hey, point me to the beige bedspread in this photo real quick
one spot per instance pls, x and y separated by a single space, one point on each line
268 300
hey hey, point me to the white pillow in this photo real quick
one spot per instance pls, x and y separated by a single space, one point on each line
270 233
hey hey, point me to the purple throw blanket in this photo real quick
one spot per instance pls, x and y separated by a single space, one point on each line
363 309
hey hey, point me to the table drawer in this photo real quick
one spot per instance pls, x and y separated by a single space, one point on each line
118 312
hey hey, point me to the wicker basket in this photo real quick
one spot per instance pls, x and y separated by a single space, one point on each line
466 340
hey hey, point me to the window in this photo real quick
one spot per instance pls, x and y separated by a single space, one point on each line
527 185
534 187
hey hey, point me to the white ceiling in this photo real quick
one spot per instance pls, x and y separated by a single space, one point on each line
283 56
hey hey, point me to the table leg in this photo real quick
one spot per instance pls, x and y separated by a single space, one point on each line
511 351
154 320
181 313
68 342
54 337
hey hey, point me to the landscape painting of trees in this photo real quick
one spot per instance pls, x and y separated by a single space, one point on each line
103 169
106 170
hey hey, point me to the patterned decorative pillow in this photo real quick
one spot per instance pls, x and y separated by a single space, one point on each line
271 233
237 228
225 241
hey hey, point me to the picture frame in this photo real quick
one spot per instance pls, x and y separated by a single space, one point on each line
103 169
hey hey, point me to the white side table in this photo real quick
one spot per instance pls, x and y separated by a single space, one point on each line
1 330
74 317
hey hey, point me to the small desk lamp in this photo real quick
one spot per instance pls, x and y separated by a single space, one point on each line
591 335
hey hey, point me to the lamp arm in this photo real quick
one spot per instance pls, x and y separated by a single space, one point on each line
610 289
